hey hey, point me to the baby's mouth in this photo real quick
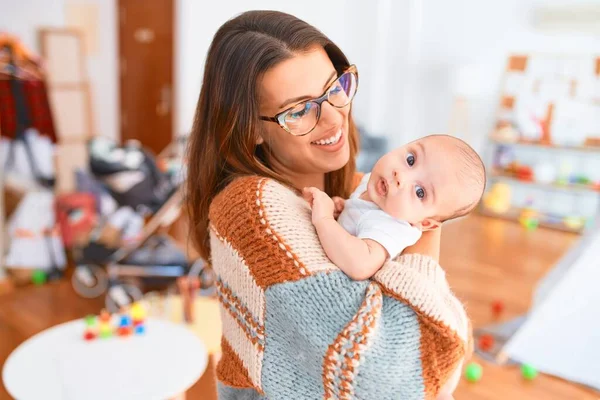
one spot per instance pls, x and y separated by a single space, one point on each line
381 187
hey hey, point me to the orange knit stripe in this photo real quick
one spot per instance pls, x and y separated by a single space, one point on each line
238 215
441 349
230 369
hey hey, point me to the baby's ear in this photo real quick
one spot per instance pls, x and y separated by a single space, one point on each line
428 224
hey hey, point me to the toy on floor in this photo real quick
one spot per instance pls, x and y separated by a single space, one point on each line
38 277
473 372
528 372
130 321
486 342
497 308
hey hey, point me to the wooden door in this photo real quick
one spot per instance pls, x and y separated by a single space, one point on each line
146 63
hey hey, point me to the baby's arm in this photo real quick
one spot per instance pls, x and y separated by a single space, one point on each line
358 258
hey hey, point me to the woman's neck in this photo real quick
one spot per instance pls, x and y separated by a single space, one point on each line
299 180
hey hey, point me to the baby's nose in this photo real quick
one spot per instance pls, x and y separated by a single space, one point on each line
399 182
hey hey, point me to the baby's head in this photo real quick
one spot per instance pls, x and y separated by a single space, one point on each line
428 181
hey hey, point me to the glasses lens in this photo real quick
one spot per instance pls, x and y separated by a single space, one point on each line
343 90
302 118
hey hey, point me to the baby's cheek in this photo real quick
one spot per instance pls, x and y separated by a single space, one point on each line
397 208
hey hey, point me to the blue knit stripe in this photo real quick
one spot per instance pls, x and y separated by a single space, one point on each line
343 358
392 368
230 393
305 317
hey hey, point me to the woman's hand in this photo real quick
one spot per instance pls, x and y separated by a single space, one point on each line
445 397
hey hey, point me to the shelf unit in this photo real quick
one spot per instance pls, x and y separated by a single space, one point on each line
521 83
514 213
501 176
523 143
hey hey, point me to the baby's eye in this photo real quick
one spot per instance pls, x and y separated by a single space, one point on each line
410 159
420 192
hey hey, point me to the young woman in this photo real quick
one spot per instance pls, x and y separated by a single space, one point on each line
273 117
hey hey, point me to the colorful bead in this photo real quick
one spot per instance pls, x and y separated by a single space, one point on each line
89 335
138 312
125 321
90 320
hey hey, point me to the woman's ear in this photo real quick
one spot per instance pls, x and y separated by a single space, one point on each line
259 140
428 224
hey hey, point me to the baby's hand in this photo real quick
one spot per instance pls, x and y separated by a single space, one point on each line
322 205
339 206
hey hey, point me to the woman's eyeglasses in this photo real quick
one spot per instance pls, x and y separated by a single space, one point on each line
302 118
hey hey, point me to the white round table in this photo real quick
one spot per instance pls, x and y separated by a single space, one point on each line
58 363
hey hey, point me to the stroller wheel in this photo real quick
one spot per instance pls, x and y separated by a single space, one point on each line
89 281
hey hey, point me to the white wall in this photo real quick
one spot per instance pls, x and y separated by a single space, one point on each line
23 18
479 35
197 23
103 70
408 53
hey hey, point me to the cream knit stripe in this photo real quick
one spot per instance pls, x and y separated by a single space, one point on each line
282 206
251 357
421 282
264 211
254 330
234 272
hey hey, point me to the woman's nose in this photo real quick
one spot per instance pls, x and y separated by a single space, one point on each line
329 113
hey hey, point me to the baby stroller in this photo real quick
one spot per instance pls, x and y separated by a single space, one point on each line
126 253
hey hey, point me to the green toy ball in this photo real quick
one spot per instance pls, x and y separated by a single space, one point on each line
473 372
38 277
528 372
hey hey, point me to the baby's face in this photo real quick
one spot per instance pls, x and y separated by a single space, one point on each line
418 181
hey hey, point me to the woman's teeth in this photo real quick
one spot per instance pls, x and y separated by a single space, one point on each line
329 141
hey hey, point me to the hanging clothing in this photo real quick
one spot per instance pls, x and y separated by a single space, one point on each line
36 104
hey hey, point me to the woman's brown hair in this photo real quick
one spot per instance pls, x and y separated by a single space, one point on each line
222 144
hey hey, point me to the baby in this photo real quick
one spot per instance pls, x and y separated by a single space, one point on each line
411 189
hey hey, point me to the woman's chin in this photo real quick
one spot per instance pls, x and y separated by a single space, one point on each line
338 160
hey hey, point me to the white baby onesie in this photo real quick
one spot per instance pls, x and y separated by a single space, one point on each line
365 220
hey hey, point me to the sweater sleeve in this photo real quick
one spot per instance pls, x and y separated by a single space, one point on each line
295 326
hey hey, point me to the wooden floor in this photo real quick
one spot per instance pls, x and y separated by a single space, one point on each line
485 259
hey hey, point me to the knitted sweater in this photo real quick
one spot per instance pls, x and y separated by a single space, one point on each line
296 327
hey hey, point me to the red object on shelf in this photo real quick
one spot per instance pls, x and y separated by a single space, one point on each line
525 173
497 308
486 342
89 335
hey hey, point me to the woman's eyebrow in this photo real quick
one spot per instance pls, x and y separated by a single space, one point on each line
300 98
